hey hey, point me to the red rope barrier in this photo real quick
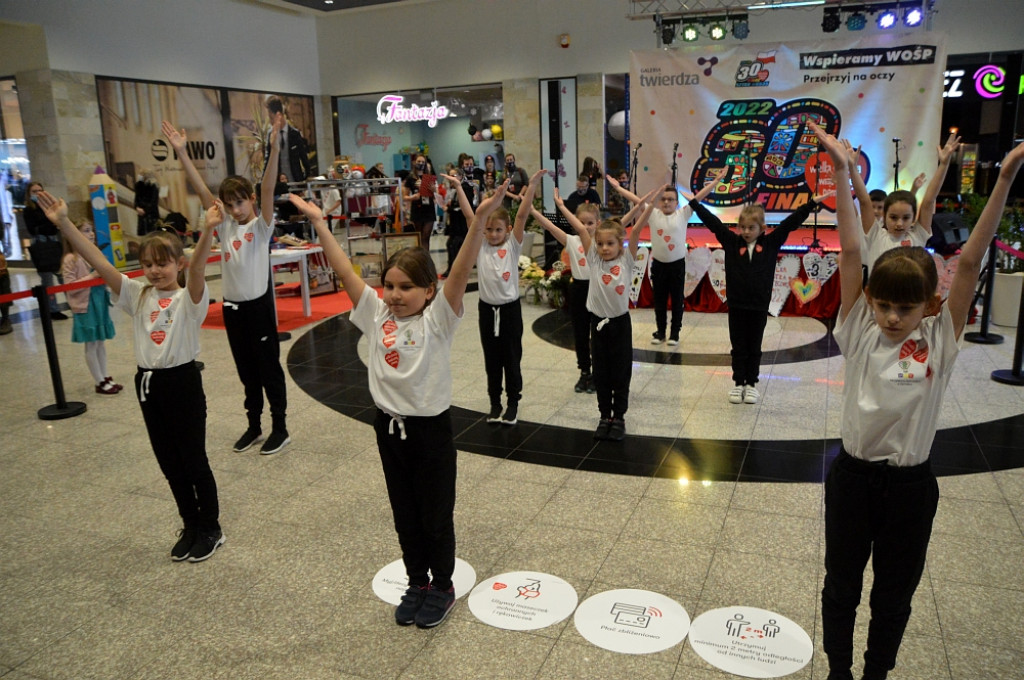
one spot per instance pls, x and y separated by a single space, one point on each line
1007 249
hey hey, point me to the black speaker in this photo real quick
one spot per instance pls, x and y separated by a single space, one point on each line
948 233
554 120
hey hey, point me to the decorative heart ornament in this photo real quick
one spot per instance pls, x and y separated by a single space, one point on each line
502 252
697 262
805 291
820 267
716 273
164 303
249 236
158 337
392 358
787 268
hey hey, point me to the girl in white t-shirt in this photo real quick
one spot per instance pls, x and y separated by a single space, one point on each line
409 334
900 344
611 329
167 310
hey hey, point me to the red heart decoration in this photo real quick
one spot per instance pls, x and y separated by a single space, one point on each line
502 252
389 340
758 248
606 278
506 276
227 255
164 303
582 262
249 236
153 315
660 232
743 250
908 348
236 244
580 249
905 243
671 247
620 289
667 238
392 358
158 337
615 270
389 326
921 355
498 585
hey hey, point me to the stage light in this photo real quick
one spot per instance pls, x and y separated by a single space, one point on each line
716 31
887 19
830 22
856 21
690 33
913 17
668 34
740 28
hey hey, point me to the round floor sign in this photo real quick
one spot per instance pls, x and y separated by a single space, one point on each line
391 582
751 642
632 621
522 600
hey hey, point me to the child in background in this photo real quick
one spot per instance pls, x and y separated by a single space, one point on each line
249 315
668 260
91 323
750 258
501 313
167 310
611 329
410 335
880 493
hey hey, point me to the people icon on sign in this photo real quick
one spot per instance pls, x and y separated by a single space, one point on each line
771 629
735 625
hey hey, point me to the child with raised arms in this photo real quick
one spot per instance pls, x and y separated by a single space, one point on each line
167 311
91 323
611 329
900 343
750 257
249 316
409 333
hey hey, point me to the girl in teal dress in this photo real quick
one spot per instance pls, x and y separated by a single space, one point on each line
91 307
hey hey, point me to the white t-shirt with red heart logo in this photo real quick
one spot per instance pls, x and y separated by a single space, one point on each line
165 325
608 294
245 258
668 234
409 361
577 257
497 271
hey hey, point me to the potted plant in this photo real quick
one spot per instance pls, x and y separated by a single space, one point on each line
1009 275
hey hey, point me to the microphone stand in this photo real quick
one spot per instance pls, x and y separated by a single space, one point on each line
632 168
896 177
675 165
815 243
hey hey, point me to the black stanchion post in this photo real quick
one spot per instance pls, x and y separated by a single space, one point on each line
63 408
1013 376
984 337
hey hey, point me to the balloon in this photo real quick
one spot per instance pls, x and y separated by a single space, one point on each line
497 132
486 134
617 126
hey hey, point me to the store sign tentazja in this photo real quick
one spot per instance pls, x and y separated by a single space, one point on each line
391 110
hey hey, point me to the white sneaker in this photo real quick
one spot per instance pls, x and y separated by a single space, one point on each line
736 395
750 395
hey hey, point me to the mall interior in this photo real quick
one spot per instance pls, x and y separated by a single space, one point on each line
707 505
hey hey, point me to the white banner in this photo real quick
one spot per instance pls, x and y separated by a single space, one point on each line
746 107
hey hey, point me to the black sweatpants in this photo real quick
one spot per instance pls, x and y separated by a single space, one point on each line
420 473
667 282
883 512
746 332
580 322
174 408
252 336
612 344
501 334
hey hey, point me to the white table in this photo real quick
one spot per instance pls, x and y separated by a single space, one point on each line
300 255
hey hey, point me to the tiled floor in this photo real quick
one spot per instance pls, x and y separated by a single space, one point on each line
708 503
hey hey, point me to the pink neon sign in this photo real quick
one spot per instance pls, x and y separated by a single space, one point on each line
391 110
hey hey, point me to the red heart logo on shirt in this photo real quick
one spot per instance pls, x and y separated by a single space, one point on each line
502 252
153 315
227 255
606 278
580 249
392 358
164 303
582 262
905 243
236 244
615 270
389 340
158 337
671 247
921 355
660 232
389 326
249 237
620 289
908 348
506 276
758 248
743 250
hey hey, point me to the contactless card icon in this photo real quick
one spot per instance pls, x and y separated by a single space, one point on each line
634 615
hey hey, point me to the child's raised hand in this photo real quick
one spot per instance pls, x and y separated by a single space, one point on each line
214 214
946 151
918 182
537 175
177 139
1012 162
55 208
818 198
852 155
308 209
451 178
832 145
614 182
276 128
558 198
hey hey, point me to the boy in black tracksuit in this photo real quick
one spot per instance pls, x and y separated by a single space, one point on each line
750 257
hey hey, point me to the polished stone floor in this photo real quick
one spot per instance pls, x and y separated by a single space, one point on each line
705 502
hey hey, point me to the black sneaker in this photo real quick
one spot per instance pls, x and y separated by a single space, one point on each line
58 316
277 440
591 385
436 605
206 544
581 384
602 428
186 537
405 613
494 416
617 430
251 436
511 415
